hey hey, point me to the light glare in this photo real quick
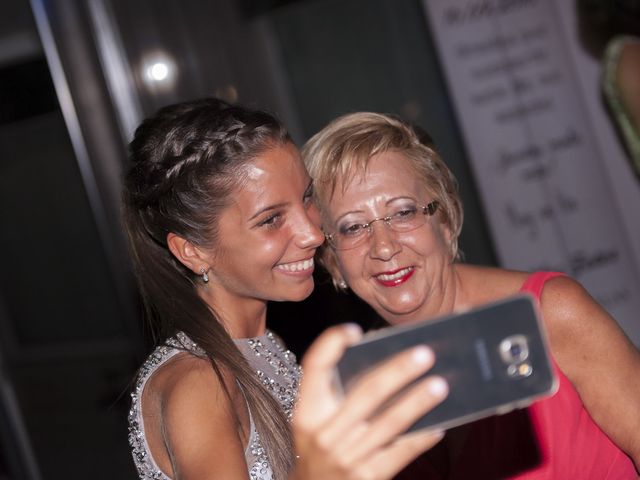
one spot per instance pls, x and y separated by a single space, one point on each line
158 72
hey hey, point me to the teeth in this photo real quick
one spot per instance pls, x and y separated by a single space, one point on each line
297 266
395 276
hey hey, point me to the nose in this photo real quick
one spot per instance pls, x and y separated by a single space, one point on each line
309 234
382 241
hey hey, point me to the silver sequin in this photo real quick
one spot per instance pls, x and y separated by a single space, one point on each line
275 366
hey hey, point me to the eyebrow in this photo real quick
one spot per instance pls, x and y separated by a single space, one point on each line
279 205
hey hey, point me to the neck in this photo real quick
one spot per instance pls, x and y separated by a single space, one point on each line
247 329
241 317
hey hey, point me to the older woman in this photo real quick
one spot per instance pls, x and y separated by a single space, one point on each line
392 216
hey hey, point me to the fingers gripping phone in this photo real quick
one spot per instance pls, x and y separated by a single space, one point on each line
495 359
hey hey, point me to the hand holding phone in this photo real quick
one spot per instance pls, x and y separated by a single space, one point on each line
495 358
340 437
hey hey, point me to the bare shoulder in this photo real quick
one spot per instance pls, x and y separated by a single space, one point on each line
190 389
568 305
579 326
483 284
178 371
198 418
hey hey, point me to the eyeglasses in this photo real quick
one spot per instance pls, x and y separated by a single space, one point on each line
405 219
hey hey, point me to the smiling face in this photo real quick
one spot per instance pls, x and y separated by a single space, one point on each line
266 237
400 274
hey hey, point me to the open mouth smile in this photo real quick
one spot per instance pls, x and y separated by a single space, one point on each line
304 266
391 279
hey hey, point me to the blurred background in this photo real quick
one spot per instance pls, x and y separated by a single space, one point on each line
76 77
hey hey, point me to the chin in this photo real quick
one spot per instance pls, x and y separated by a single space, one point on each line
400 316
299 294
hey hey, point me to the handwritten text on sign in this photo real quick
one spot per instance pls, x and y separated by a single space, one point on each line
530 144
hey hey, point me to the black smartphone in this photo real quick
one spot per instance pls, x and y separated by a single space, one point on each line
495 358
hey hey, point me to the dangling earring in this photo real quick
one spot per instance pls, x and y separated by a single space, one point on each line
343 285
205 277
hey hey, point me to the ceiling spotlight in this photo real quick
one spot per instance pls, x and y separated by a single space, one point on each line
159 71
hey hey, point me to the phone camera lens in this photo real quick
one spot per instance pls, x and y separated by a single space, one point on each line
514 349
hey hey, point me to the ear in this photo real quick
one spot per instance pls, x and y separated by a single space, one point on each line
187 253
446 232
448 239
330 263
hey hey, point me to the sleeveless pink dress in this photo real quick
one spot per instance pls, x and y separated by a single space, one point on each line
553 439
571 444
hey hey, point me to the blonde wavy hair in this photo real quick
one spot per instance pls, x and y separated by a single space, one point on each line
345 146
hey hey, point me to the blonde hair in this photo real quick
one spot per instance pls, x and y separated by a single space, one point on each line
345 146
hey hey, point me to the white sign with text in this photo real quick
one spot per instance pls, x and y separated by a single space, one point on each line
531 144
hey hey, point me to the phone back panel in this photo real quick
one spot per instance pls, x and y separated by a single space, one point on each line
494 359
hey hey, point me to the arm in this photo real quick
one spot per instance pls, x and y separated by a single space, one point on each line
341 438
336 438
598 359
199 427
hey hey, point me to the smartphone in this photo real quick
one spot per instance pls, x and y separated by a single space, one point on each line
495 358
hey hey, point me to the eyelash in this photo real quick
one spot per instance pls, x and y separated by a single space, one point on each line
272 221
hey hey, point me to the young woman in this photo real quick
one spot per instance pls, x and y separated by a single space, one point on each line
219 214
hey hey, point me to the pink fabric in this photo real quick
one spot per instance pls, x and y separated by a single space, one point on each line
553 439
571 444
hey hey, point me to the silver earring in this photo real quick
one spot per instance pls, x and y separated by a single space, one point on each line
343 285
205 277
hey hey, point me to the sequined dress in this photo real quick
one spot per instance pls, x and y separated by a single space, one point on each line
273 363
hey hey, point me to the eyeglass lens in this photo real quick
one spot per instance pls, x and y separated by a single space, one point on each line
404 219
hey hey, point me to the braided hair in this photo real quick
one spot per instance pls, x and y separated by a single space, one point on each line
186 161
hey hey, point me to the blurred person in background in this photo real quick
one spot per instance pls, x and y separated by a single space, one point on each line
610 29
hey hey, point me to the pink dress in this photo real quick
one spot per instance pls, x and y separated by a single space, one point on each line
554 438
571 444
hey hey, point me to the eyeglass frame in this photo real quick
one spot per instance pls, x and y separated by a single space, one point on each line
428 210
